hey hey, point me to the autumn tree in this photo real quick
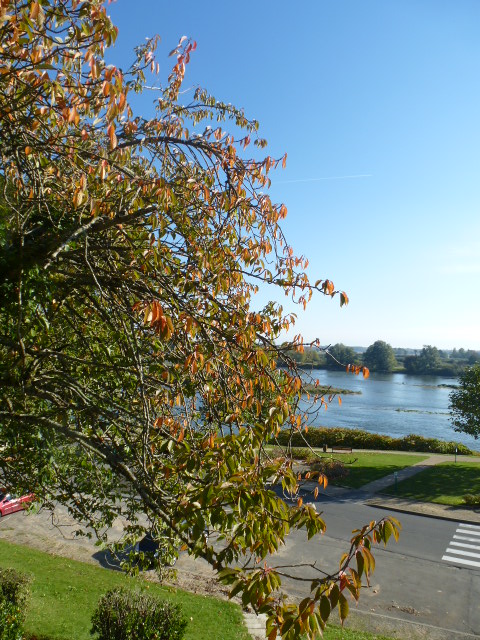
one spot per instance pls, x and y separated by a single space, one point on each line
465 402
137 378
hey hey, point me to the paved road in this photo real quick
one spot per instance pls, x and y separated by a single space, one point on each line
424 586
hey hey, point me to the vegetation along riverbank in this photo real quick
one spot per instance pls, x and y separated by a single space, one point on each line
359 439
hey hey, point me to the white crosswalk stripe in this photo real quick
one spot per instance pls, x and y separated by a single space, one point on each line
464 552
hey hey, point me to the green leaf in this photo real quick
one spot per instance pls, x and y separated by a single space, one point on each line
343 608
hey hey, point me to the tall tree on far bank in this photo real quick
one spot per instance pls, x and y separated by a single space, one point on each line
427 362
138 380
380 357
341 355
465 402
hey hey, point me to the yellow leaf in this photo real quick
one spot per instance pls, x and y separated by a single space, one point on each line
147 318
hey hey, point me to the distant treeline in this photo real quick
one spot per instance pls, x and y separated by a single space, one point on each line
381 356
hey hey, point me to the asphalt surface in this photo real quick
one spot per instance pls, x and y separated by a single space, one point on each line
414 592
371 493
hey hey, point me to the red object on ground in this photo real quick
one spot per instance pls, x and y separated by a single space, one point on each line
10 503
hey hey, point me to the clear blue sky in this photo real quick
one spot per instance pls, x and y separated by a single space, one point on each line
388 91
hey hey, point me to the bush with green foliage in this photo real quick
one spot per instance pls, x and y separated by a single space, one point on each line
380 357
14 590
128 615
341 357
465 402
472 500
341 437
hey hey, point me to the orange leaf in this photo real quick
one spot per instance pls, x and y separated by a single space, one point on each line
299 502
34 11
112 136
73 115
339 401
273 634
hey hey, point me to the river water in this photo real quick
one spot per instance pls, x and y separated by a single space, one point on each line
393 404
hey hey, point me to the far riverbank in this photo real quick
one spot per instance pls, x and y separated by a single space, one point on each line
394 404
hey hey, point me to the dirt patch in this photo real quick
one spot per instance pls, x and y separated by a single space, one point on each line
55 534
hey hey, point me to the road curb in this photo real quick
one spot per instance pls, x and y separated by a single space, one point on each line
418 509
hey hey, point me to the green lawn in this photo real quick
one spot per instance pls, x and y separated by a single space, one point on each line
366 467
445 483
65 593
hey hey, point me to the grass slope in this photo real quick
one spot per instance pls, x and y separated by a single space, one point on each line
65 594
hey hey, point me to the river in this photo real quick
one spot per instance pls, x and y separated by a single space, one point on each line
393 404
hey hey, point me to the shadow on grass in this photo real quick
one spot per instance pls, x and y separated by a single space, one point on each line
358 476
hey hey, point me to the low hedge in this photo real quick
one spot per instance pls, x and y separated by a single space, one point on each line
358 439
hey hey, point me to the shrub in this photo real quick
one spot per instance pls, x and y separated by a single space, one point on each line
13 597
129 615
11 621
472 500
14 586
333 469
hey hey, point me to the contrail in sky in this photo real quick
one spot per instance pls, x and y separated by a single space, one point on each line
360 175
